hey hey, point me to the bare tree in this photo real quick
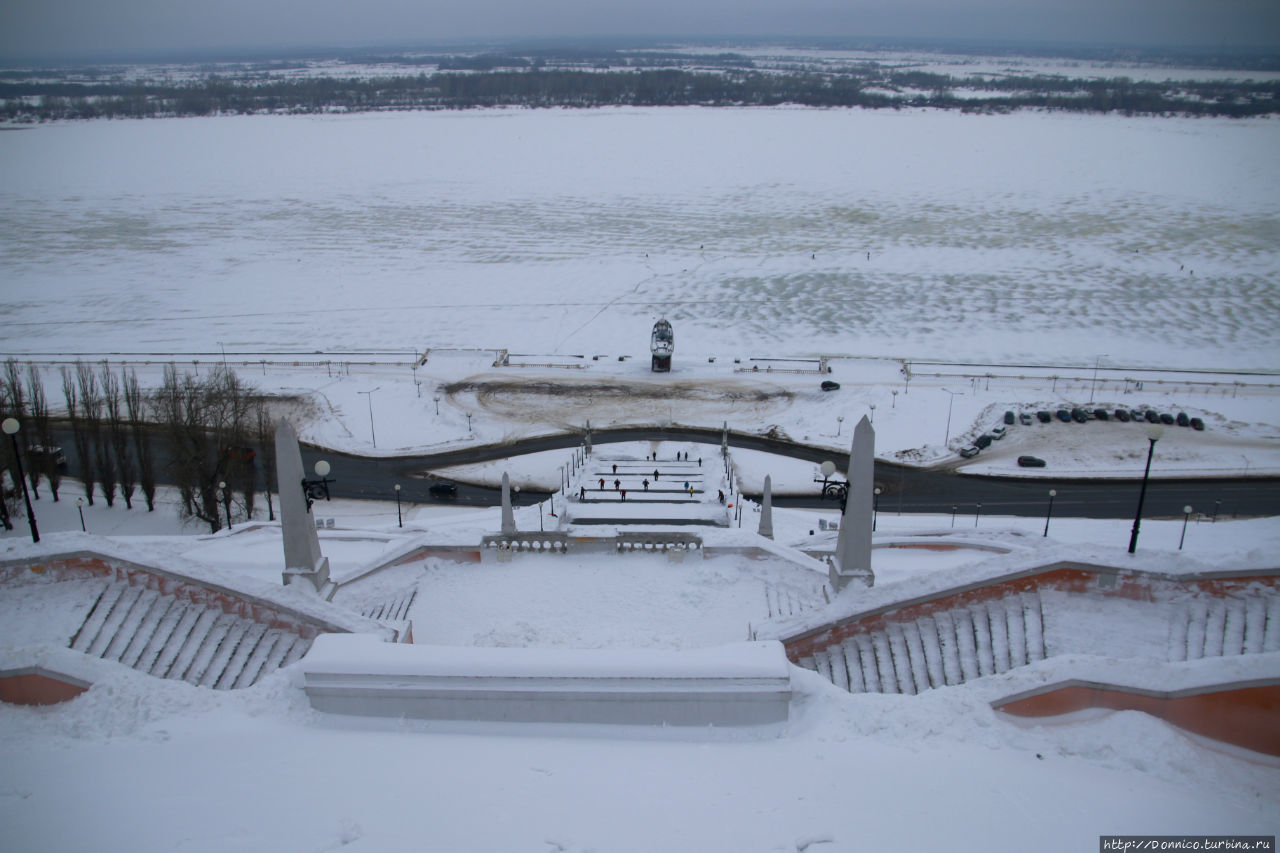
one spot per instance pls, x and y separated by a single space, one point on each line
79 433
16 407
118 433
91 405
141 439
206 419
42 429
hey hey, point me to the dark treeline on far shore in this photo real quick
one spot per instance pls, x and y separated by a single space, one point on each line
724 79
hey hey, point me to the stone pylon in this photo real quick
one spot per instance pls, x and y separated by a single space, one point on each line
508 515
853 548
766 509
302 557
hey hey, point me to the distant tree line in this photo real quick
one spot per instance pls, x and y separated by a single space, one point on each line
496 83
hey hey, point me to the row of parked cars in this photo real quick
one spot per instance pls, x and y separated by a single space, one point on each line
1081 415
1078 415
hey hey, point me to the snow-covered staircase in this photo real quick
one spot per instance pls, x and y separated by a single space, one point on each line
943 648
620 490
1211 626
174 637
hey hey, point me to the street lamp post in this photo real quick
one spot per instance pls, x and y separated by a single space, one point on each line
226 500
436 398
399 517
834 491
1154 431
977 513
80 507
951 400
1094 383
894 392
1053 493
1186 515
468 422
875 509
873 413
372 435
11 427
839 424
313 490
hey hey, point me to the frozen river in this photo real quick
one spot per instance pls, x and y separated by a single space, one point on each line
917 234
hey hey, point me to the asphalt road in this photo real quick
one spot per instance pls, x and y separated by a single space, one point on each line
903 489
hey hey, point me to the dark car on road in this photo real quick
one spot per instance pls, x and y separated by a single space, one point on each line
1030 462
983 441
1183 419
444 490
1101 414
1063 415
1152 416
1122 416
1166 419
1008 417
1079 416
1044 416
1197 424
828 385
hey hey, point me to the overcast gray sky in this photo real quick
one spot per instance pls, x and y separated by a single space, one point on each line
32 28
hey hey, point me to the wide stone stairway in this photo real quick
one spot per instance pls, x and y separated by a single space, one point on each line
622 490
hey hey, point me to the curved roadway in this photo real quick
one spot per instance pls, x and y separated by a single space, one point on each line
903 488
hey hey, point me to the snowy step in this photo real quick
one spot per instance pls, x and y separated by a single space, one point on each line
208 650
129 626
189 644
147 627
245 645
93 623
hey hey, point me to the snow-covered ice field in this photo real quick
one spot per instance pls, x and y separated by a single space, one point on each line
914 234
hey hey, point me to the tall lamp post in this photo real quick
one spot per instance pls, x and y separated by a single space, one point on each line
10 427
1186 516
80 507
1053 493
1094 383
875 508
1154 431
949 402
372 435
399 517
226 501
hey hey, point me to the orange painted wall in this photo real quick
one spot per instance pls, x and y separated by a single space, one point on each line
1244 716
37 689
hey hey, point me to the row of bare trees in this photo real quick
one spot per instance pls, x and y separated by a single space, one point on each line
214 429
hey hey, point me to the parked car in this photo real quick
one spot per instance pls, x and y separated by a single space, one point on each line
1078 415
1044 416
1166 419
1025 418
1008 417
1101 414
1122 416
998 432
444 490
1030 462
1197 424
1152 416
828 385
969 452
1183 419
983 442
1063 415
